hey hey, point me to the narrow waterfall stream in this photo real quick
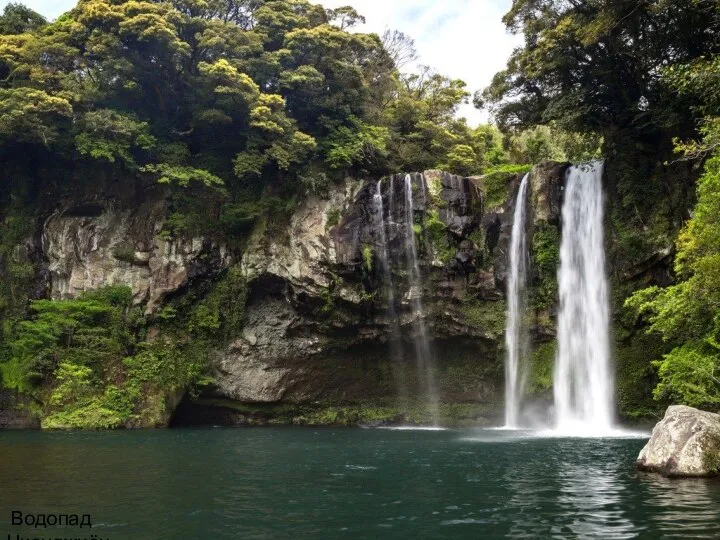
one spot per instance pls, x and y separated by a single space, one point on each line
516 331
383 255
583 382
423 353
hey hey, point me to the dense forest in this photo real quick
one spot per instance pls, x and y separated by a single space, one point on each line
243 108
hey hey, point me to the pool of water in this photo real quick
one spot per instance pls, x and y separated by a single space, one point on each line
346 483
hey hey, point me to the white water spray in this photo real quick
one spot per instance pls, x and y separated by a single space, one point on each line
583 382
516 332
383 253
383 257
422 343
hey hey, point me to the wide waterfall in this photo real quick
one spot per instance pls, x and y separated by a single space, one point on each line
423 352
583 382
516 331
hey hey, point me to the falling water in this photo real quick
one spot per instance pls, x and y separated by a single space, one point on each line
382 237
516 332
583 384
386 273
422 343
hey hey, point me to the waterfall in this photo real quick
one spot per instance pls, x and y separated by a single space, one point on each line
583 384
383 255
423 353
516 332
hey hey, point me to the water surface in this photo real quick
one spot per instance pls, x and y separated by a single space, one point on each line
351 483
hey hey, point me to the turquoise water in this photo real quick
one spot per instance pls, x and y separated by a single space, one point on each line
352 483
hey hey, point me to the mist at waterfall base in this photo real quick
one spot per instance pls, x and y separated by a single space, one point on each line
582 378
345 483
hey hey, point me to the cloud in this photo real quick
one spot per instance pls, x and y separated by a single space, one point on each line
463 39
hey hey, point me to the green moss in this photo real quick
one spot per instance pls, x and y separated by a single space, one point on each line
221 313
546 257
463 375
333 218
153 409
489 316
368 412
477 237
175 226
368 257
328 302
348 415
15 266
497 180
438 235
711 453
541 368
124 252
237 219
635 375
434 191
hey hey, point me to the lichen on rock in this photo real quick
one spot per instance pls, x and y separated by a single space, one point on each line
685 443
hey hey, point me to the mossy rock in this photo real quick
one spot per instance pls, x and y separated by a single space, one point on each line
488 316
541 368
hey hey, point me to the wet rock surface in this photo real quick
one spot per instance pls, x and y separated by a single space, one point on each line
321 322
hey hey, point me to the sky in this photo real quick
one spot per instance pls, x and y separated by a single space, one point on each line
463 39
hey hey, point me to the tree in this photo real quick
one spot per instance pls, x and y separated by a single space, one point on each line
594 66
687 314
18 19
400 47
550 142
346 17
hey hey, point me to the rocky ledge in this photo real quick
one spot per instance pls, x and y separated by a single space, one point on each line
685 443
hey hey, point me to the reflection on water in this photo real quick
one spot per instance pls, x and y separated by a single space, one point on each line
304 483
587 489
593 495
691 502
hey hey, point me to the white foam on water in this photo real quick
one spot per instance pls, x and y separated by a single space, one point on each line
413 428
503 434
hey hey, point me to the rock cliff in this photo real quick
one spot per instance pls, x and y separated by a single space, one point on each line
323 330
324 337
115 242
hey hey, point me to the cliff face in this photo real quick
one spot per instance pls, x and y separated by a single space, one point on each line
319 323
325 332
325 338
116 242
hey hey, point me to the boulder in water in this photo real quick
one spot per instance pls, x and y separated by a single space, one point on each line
684 443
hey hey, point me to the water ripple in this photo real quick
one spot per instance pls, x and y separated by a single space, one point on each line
277 483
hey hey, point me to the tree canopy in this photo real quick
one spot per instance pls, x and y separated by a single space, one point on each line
247 94
599 65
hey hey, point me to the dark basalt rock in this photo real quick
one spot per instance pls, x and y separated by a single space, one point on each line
327 335
14 413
